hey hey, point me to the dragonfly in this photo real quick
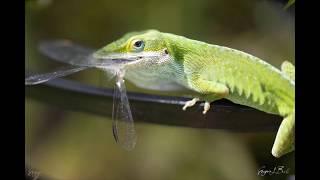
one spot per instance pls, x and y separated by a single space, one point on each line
80 58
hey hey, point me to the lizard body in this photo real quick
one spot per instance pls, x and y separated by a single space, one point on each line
213 72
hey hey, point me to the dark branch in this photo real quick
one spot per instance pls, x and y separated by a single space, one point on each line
71 95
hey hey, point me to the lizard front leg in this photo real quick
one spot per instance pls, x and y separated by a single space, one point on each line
209 91
190 103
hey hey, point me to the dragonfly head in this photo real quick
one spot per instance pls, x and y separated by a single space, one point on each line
135 48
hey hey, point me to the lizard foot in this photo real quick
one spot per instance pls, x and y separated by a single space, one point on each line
206 107
190 103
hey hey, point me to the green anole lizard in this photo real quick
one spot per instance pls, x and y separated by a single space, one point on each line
166 61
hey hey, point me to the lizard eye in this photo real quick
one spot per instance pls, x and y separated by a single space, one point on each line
138 45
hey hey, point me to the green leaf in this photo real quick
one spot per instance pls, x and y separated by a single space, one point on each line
290 2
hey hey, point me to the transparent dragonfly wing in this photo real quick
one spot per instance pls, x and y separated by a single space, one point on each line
41 78
123 125
71 53
67 52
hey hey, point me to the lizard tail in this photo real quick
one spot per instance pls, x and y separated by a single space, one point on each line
284 142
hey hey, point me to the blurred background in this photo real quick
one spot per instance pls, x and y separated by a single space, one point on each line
69 145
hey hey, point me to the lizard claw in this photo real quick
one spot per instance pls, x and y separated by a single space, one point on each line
206 107
190 103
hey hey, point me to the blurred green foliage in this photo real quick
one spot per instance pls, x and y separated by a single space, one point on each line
74 145
290 3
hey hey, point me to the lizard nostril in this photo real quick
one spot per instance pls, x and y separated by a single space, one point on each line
166 51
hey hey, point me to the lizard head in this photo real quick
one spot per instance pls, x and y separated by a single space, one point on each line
136 48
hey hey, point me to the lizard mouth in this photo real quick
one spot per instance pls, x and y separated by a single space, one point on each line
116 59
